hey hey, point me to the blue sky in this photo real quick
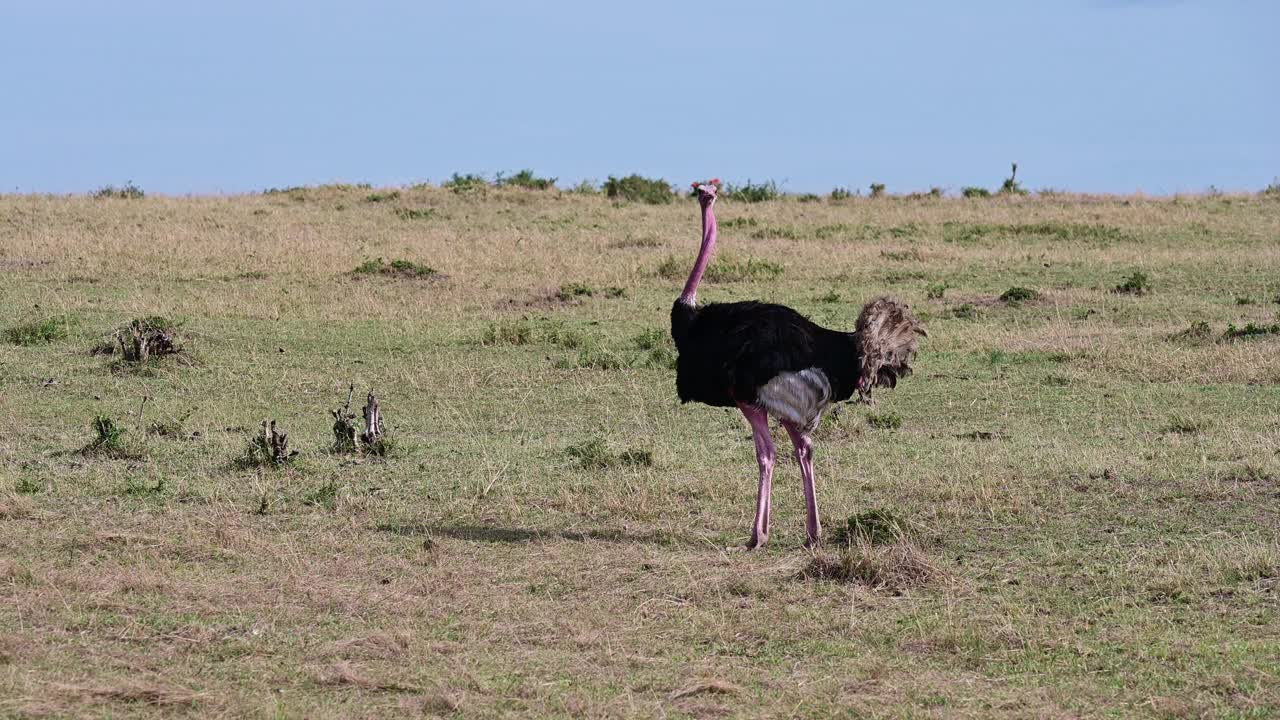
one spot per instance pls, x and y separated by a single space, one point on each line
232 96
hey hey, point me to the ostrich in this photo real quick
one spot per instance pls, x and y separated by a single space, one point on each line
768 359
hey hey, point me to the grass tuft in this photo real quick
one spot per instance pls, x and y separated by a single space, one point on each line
877 527
398 268
885 420
1183 425
594 454
415 213
574 290
39 332
108 437
1017 295
1137 283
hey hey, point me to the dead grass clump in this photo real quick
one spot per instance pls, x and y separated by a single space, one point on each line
895 568
376 646
1251 563
437 704
712 687
343 673
1198 333
140 692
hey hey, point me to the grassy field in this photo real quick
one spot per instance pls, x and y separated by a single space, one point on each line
1071 509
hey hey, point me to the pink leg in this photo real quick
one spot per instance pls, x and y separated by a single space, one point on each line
764 456
804 455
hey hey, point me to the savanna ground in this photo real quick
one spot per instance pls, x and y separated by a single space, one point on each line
1071 509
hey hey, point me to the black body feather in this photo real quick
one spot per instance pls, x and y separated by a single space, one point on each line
728 351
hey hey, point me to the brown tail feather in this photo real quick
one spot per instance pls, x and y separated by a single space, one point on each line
887 336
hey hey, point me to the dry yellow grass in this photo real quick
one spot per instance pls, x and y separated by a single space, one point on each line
1093 499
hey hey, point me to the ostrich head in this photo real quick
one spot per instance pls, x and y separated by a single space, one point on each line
706 191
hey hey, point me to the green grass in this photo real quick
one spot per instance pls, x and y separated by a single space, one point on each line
400 268
1069 510
39 332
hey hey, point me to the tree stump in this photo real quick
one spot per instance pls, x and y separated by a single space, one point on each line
144 339
275 444
373 429
344 426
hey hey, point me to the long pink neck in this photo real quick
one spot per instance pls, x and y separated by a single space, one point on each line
690 294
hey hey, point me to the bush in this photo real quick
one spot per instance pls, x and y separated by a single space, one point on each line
975 192
128 192
840 193
107 437
1250 330
384 196
465 183
586 187
1135 284
935 291
752 192
877 190
636 188
525 179
1017 295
